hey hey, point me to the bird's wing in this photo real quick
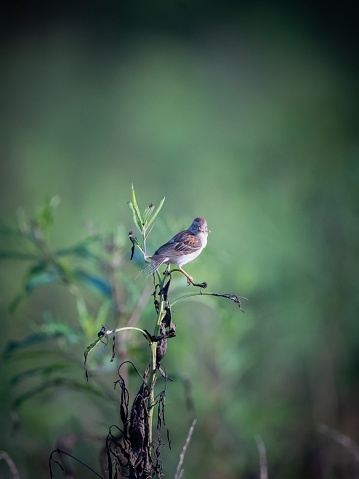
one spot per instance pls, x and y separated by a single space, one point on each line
183 243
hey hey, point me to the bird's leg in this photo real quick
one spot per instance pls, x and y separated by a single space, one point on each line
189 278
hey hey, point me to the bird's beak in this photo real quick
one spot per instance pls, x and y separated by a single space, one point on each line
203 229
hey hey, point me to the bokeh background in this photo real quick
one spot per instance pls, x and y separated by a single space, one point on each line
245 113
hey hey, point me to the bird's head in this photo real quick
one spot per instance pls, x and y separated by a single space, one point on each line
199 225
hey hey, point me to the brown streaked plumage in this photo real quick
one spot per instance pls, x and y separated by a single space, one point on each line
182 248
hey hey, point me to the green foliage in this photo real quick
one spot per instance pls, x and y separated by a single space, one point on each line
136 212
227 123
143 223
45 214
87 267
94 269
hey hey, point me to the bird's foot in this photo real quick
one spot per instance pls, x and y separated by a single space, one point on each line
190 281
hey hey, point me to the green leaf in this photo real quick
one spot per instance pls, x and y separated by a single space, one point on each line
80 249
43 371
152 219
136 219
90 347
135 210
8 230
102 314
58 384
15 345
134 202
94 281
41 274
148 212
89 325
16 255
58 329
45 214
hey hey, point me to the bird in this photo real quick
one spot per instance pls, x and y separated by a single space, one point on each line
181 249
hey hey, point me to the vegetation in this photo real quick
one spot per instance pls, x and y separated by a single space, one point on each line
134 448
243 113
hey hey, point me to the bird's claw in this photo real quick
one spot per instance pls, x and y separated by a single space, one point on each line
201 285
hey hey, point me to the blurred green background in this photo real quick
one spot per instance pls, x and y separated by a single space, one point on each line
246 114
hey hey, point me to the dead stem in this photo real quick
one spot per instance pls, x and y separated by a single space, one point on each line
179 470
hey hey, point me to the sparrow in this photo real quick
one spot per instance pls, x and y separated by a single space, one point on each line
182 248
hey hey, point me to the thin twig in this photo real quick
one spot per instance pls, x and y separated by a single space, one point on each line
13 469
179 471
262 458
341 439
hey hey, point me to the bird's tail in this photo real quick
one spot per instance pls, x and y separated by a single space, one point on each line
153 265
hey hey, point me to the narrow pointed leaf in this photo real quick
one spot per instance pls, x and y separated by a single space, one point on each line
16 255
45 214
15 345
96 282
136 208
80 249
153 217
8 230
148 212
136 218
